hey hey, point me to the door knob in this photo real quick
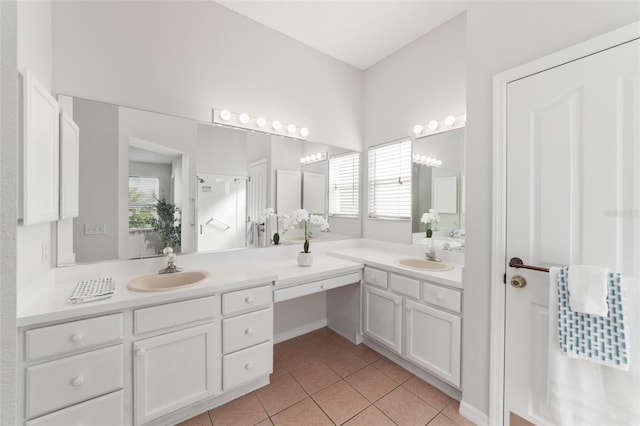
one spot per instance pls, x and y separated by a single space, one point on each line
518 281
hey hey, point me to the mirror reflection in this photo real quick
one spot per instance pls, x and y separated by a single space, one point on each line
438 190
150 180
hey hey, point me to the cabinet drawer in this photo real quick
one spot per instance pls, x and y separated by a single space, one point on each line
403 285
440 296
106 410
174 314
245 300
247 330
292 292
246 365
375 277
72 336
60 383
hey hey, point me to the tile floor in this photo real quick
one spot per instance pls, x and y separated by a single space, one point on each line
321 378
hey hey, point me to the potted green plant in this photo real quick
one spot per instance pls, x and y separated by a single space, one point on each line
167 224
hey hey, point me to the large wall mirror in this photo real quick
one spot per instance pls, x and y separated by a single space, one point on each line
438 184
139 169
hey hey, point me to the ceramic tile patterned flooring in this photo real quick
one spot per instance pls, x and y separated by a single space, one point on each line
321 378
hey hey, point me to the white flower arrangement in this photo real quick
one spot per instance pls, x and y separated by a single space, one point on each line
303 216
431 217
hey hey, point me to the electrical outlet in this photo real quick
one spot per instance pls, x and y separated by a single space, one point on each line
95 229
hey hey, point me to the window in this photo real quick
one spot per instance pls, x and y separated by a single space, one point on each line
344 185
143 196
390 181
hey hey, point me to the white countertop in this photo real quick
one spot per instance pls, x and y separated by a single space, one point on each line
51 303
386 259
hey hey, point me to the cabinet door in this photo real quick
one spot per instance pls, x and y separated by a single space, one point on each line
40 153
174 370
69 166
383 317
433 341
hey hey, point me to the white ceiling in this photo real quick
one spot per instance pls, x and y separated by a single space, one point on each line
360 32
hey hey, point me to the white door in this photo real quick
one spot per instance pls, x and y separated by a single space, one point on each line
573 197
256 189
383 317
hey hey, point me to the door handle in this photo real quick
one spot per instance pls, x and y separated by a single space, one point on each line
518 281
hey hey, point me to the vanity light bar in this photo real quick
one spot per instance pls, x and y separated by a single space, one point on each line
313 158
258 124
450 122
426 161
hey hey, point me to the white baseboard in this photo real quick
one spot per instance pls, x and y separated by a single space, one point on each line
299 331
473 414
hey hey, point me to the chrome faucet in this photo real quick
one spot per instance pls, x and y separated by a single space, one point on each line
171 262
431 254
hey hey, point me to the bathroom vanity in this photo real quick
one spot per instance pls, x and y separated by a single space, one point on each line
162 357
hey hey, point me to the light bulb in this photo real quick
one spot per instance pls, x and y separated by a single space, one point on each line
438 162
291 129
433 125
244 118
313 157
276 125
260 121
416 157
302 159
225 114
319 155
428 160
449 120
307 158
304 132
417 129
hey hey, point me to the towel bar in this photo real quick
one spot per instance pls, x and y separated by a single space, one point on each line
516 262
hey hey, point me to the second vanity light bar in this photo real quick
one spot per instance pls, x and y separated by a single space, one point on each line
450 122
258 124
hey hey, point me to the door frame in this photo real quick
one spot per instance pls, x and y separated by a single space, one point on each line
499 202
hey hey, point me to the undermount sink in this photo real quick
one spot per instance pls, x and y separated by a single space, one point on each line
169 281
424 264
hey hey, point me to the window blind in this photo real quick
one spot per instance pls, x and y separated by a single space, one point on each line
390 181
143 196
344 185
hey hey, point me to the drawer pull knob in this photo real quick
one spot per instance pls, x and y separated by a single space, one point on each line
321 285
77 381
248 366
248 331
76 337
248 299
439 297
140 353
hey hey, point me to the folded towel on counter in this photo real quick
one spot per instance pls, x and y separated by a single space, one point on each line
590 393
588 289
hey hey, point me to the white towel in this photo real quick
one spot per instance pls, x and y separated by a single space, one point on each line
588 289
585 393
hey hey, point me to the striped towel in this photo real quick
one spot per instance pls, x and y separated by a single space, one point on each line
602 340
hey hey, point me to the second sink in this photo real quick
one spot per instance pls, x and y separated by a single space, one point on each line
163 282
424 264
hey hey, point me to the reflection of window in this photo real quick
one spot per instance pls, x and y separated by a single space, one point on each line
390 181
344 182
143 196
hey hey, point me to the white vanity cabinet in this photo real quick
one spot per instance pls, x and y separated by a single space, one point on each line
176 369
418 320
383 317
247 336
73 370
